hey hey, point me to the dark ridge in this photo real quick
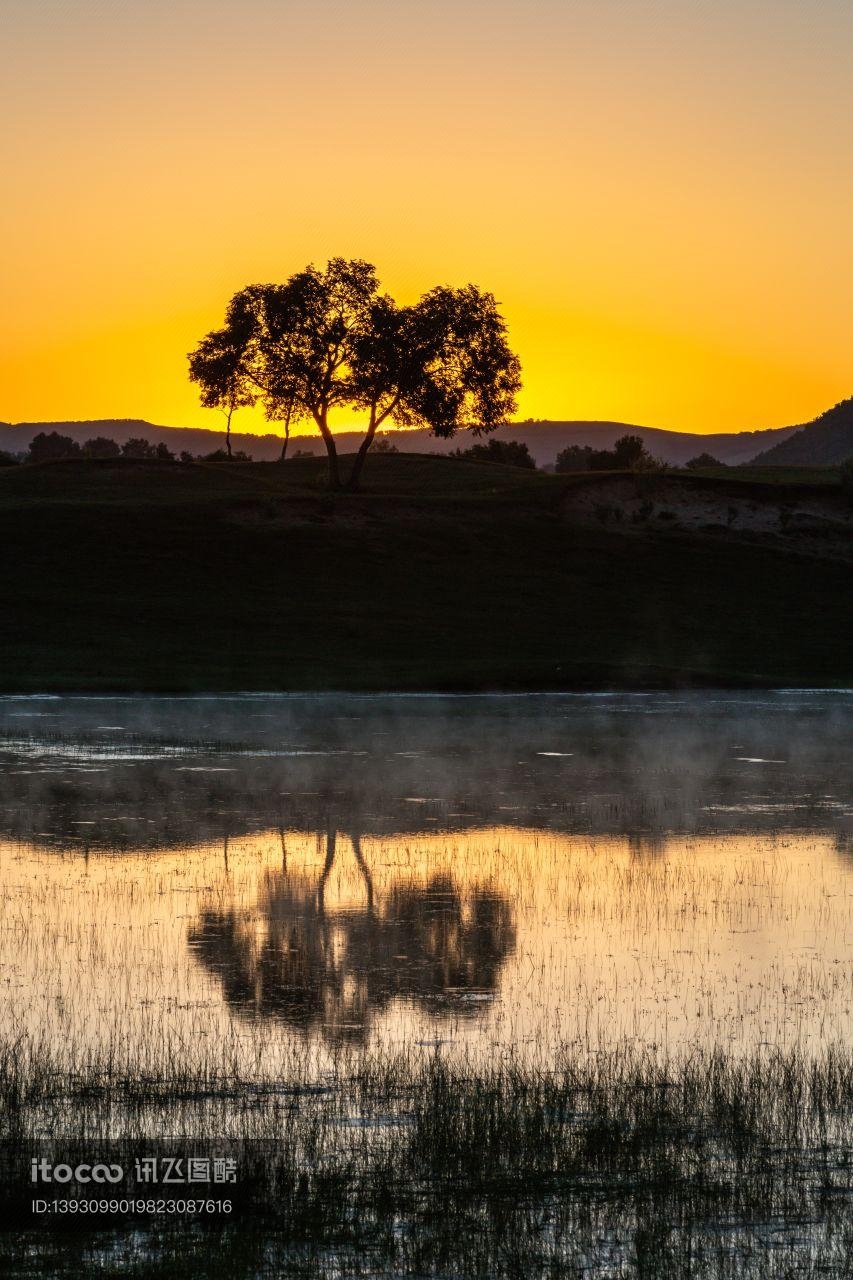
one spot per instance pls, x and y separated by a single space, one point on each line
828 441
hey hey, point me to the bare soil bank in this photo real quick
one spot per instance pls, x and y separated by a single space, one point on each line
811 519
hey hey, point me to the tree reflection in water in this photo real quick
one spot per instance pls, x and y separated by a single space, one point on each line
293 960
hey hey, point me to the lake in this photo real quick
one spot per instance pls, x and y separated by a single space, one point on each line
251 882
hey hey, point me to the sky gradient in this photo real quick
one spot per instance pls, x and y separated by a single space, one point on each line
659 192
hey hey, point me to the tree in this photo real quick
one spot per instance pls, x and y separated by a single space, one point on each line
219 366
7 459
511 453
575 457
628 454
136 447
631 454
703 460
327 340
51 446
101 447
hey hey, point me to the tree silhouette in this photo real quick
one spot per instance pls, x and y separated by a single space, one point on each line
576 457
511 453
433 943
137 447
101 447
703 460
631 454
51 446
329 339
218 365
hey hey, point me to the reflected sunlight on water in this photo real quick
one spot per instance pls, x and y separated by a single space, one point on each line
277 880
485 940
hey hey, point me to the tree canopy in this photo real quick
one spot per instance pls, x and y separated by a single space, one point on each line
329 339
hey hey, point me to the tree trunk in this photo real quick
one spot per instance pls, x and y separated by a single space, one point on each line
363 450
364 869
228 435
286 434
331 842
329 441
334 470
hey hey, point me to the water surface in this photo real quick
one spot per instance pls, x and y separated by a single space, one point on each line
263 878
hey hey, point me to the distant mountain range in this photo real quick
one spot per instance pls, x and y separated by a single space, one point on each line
15 438
546 439
827 440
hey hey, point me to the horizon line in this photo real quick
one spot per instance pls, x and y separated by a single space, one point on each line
296 433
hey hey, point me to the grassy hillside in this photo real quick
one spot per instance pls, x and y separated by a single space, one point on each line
441 574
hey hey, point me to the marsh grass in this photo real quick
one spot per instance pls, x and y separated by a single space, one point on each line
620 1165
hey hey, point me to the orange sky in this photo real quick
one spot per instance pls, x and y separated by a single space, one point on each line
659 191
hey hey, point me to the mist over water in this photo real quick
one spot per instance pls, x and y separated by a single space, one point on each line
292 877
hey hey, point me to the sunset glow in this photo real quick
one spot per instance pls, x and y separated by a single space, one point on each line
659 193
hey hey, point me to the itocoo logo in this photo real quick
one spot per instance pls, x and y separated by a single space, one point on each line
44 1171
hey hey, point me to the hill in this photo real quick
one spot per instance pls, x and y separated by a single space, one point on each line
440 575
828 441
544 439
